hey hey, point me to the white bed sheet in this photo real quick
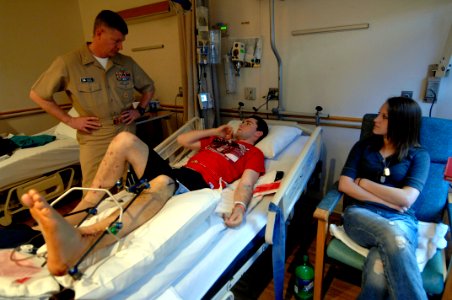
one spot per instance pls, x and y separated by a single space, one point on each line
191 271
29 163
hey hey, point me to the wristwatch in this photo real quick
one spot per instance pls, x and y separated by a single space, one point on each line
141 110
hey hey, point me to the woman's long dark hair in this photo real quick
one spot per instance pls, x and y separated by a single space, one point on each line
404 124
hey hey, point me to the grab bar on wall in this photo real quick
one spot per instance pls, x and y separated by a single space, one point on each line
152 47
28 111
301 118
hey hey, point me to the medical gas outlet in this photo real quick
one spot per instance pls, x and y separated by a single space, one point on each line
238 56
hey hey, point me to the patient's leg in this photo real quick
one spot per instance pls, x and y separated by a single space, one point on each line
124 148
65 244
147 205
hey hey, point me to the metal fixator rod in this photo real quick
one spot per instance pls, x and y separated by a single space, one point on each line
91 189
112 229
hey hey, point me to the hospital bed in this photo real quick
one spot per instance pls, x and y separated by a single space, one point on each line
185 251
48 168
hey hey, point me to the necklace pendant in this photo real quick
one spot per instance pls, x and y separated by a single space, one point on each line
386 171
382 179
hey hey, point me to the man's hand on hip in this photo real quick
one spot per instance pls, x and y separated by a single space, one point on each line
85 124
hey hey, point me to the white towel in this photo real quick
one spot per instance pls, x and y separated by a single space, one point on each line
431 236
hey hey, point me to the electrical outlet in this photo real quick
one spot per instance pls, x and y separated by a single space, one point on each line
250 93
180 93
407 94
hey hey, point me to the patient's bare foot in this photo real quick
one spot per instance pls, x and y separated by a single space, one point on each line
65 244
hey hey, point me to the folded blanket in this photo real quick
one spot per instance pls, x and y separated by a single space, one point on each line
24 141
430 238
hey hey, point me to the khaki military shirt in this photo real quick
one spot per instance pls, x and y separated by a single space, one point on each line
95 91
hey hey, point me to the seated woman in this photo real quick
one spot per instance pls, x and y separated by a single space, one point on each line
382 177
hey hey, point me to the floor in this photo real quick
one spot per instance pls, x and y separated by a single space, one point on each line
257 283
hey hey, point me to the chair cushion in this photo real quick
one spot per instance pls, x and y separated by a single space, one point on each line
436 137
337 250
432 276
429 207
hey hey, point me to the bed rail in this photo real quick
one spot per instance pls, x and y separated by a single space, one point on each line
298 176
170 148
50 186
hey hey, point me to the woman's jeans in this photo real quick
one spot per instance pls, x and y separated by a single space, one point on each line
391 269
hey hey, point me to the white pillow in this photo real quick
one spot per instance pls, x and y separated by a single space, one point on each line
63 129
277 139
143 249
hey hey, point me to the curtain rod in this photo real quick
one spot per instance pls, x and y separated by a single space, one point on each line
331 29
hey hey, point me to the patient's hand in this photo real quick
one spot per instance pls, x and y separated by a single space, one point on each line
236 217
225 131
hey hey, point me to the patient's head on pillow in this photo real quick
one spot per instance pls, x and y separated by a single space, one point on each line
277 139
261 126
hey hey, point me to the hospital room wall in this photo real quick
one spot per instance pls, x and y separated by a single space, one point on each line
163 65
348 73
33 34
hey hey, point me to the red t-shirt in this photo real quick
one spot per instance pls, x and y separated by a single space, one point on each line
226 159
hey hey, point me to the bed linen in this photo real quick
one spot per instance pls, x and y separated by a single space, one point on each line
192 272
107 271
29 163
201 256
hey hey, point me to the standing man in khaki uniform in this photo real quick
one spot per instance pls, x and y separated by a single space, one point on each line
101 84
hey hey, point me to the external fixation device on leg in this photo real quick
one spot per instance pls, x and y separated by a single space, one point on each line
114 226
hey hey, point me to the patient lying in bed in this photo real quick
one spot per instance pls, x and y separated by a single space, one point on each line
219 159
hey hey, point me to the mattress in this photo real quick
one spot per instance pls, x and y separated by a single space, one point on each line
195 248
26 164
194 268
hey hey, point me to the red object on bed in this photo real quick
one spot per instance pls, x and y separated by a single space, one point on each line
448 170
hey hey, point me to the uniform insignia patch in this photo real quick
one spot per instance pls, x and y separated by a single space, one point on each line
123 75
86 79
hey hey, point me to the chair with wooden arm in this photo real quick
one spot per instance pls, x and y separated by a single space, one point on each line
431 206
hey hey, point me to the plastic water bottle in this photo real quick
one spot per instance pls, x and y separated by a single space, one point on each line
304 280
